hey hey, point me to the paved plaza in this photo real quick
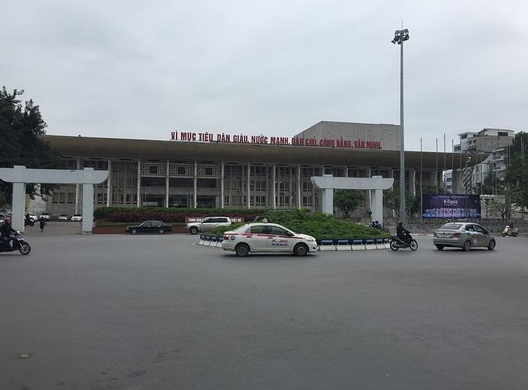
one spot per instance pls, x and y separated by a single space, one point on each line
160 312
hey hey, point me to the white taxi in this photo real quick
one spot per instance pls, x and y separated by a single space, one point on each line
267 237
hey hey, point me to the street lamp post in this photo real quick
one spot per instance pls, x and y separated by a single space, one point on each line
401 36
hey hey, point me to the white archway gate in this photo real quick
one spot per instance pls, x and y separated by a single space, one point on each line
375 184
19 175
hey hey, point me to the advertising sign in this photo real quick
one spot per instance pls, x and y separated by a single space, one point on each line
451 206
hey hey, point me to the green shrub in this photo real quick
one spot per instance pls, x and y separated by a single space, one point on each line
315 224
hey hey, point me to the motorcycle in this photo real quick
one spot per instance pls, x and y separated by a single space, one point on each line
509 231
396 243
28 222
17 243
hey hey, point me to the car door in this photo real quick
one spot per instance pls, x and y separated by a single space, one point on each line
208 224
472 234
145 227
258 239
482 236
279 240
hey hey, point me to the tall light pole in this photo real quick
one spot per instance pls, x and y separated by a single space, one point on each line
401 36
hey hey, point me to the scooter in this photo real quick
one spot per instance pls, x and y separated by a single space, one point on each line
509 231
396 243
17 243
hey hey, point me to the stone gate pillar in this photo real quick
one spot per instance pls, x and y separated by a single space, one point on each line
19 175
375 184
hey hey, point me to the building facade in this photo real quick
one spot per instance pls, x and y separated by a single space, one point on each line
237 171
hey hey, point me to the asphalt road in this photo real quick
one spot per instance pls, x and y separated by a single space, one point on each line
158 312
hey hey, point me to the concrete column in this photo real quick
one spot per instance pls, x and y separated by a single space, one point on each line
299 198
138 186
87 207
274 186
17 208
377 205
248 183
77 188
167 185
222 186
109 185
195 186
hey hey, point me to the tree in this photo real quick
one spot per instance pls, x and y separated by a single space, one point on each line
516 176
348 200
20 128
516 179
412 203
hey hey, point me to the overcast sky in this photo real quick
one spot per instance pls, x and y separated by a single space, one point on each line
141 69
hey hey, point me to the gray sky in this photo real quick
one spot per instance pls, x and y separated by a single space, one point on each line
141 69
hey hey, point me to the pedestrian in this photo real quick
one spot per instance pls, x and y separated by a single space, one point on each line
42 224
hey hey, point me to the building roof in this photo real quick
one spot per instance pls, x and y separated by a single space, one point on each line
118 148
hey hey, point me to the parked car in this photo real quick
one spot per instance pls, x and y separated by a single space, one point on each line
45 216
63 217
32 216
207 224
159 227
465 235
267 237
76 218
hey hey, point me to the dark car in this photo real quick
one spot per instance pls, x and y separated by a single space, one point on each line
150 227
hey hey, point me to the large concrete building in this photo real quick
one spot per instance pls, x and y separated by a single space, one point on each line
238 171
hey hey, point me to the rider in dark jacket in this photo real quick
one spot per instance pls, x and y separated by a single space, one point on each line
5 232
401 232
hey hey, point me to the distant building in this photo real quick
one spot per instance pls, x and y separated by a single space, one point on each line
486 140
493 145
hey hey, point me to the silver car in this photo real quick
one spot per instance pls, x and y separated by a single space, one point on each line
207 224
465 235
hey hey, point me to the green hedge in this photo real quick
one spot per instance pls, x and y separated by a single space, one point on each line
315 224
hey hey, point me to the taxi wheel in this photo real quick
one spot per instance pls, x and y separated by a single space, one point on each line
242 250
491 245
300 250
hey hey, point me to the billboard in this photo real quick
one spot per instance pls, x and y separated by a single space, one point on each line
451 206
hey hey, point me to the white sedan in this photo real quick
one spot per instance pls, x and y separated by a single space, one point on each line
267 237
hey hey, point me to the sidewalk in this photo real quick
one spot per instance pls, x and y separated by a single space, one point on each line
53 228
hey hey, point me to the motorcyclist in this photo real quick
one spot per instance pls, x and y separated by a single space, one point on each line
5 232
401 232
